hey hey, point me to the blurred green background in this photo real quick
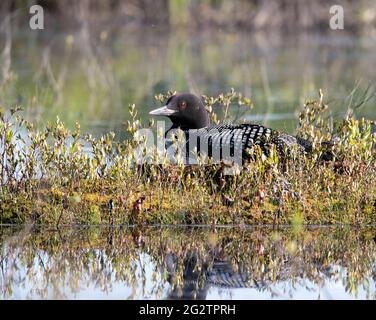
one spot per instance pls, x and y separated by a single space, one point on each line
93 57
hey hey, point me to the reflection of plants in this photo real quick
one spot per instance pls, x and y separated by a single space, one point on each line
54 176
183 259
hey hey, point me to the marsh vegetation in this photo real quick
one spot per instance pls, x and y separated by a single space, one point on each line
53 176
80 218
72 102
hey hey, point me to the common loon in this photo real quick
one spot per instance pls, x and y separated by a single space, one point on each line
188 113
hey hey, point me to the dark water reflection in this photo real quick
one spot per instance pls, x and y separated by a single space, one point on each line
160 263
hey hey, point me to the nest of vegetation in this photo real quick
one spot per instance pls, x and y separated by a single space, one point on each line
55 177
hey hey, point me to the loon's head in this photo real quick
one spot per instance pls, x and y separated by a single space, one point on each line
185 110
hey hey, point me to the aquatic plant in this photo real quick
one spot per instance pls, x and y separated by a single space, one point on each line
54 176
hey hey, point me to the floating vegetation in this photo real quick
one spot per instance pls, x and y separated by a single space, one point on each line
56 177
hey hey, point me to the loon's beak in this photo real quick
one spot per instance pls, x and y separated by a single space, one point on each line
163 111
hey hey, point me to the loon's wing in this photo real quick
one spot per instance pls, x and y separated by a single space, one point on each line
229 142
226 142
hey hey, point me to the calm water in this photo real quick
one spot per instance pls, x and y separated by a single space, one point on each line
92 76
177 262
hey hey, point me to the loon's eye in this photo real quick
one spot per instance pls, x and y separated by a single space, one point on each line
183 105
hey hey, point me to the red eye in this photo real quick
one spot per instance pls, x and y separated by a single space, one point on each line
183 105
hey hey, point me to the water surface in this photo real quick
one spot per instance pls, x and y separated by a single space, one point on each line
93 75
188 262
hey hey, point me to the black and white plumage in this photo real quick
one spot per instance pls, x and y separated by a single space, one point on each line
222 275
220 142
